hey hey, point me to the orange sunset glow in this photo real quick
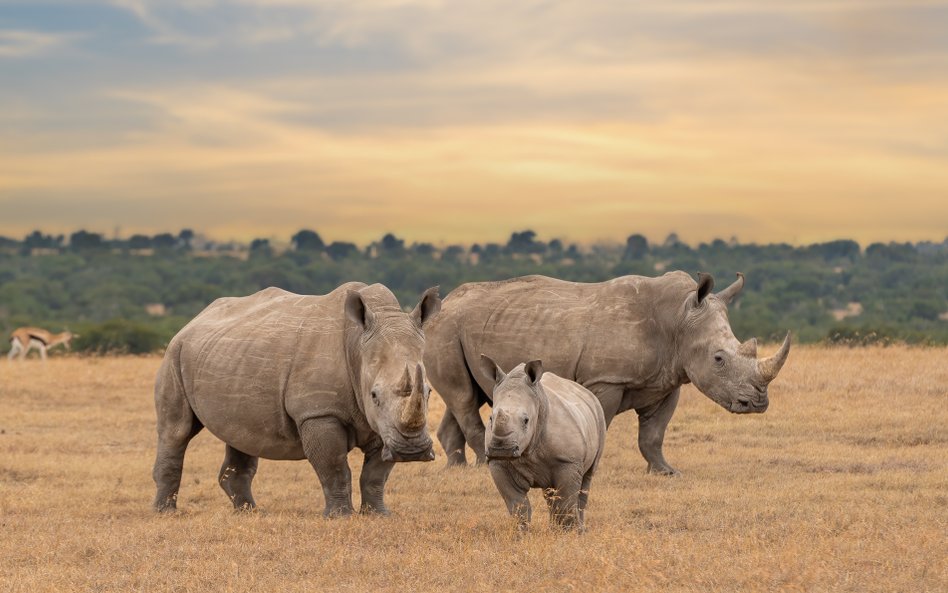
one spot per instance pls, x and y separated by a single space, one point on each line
796 121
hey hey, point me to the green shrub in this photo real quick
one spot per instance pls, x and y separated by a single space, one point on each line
119 336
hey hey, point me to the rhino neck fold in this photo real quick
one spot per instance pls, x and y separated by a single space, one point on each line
354 364
543 415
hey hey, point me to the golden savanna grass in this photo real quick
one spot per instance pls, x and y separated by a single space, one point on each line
841 486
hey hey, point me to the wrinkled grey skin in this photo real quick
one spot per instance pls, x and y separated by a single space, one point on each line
544 432
286 376
632 341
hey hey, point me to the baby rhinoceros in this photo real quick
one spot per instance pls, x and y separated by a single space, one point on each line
544 432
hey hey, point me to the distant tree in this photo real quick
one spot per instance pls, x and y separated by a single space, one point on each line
423 249
84 240
391 245
524 242
185 237
573 252
340 250
832 250
671 240
555 247
307 240
452 253
36 239
636 247
260 248
164 241
139 242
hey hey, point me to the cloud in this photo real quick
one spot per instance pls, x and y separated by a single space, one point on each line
21 43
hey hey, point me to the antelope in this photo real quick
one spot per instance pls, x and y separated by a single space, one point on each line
23 339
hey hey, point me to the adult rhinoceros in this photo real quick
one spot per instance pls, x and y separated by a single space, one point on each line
284 376
632 341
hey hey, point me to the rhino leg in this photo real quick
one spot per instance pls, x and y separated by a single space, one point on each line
582 499
452 439
372 481
235 478
514 492
326 445
177 425
563 499
652 423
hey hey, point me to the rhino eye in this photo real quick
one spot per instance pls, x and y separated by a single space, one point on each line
526 421
718 359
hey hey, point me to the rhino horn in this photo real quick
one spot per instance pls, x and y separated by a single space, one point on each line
769 367
405 385
419 380
413 412
748 348
728 294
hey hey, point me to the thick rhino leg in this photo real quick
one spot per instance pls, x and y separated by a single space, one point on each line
372 481
235 478
563 499
326 444
652 423
177 425
452 439
514 492
583 498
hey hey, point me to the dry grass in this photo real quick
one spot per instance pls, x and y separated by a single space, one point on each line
841 486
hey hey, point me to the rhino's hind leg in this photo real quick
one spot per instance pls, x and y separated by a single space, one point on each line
235 478
582 499
652 423
372 481
175 431
326 445
452 439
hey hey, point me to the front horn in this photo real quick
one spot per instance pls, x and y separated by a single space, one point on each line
769 367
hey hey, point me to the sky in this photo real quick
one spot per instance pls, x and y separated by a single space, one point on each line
458 121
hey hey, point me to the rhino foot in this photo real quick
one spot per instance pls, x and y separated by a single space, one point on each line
372 509
338 512
663 470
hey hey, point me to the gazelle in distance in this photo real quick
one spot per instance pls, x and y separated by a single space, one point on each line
24 339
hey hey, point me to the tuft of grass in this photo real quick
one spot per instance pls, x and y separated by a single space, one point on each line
842 485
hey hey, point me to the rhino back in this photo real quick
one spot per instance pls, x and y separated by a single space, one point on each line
250 365
595 333
576 426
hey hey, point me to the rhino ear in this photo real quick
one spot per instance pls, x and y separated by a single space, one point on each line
491 369
534 370
427 307
705 286
356 309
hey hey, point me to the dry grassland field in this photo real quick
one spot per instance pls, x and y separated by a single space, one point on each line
842 485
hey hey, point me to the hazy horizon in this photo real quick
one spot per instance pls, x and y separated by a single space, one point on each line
452 122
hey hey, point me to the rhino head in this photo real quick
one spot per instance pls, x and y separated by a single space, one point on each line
390 381
519 408
719 365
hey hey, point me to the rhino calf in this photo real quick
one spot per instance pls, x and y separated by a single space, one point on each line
545 432
286 376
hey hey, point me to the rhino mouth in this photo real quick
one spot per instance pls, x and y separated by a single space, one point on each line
503 452
744 405
425 453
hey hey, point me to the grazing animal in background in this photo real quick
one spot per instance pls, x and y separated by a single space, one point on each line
24 339
544 432
633 341
286 376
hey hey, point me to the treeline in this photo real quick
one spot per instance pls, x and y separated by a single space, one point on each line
133 294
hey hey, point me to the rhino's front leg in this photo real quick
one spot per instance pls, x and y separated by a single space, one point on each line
652 423
375 474
326 444
513 491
